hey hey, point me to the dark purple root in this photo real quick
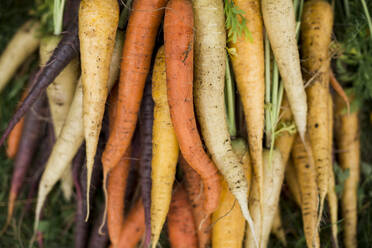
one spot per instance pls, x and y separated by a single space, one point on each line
33 131
39 164
97 240
146 120
70 13
67 49
81 227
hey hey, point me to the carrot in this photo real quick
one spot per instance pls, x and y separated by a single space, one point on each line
31 135
277 227
133 227
145 128
98 21
280 26
67 49
71 136
164 150
96 177
292 182
139 42
117 180
181 227
40 162
248 65
338 88
348 143
97 239
306 174
332 196
70 12
209 99
16 134
60 94
178 26
273 178
193 186
81 227
115 198
14 139
21 46
228 221
285 139
316 31
61 91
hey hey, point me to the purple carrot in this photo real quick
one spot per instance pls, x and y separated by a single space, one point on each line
70 12
67 49
146 120
39 164
97 240
81 226
33 129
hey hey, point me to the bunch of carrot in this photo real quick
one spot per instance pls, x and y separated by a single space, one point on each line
173 102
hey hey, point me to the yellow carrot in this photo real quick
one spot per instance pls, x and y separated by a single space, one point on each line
306 175
164 150
98 21
248 64
292 182
348 143
332 196
316 31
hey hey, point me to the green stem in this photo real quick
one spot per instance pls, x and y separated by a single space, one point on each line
267 89
300 10
298 25
275 94
230 100
368 16
58 16
280 99
125 14
295 7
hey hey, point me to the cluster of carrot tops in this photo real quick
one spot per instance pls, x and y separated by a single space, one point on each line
151 85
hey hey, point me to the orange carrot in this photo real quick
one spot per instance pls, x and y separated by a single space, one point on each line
117 181
133 227
193 187
181 227
179 36
139 42
16 133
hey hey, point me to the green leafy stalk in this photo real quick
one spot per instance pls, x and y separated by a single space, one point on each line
366 12
58 16
230 100
236 23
